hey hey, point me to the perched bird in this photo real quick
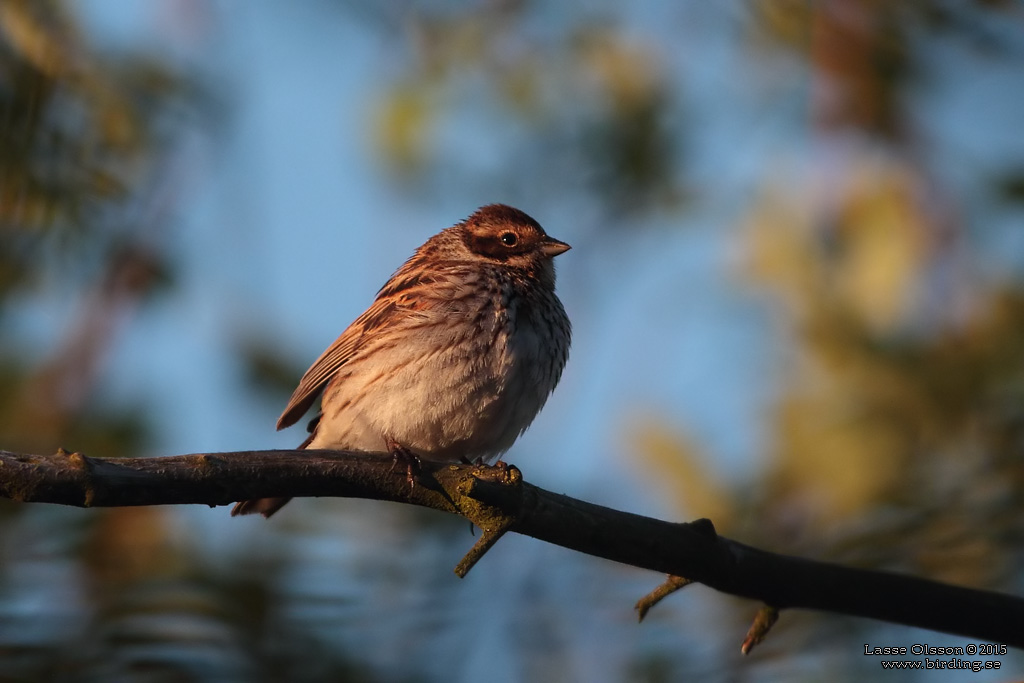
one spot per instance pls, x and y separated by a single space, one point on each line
454 359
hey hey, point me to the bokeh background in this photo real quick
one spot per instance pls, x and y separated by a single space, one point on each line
796 289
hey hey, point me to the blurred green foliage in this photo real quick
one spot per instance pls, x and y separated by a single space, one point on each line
896 439
579 96
897 436
82 138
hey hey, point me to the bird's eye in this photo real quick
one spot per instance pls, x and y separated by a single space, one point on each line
509 239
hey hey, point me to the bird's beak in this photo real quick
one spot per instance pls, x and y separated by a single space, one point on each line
552 247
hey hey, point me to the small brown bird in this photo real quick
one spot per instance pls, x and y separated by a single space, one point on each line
454 359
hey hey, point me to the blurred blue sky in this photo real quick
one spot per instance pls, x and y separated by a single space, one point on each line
288 225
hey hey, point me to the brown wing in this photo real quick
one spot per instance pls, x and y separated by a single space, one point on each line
336 355
398 295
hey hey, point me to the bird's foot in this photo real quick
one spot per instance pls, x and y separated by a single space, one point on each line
403 456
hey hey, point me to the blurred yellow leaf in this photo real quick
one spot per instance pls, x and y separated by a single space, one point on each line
625 71
400 126
677 466
833 457
45 49
883 246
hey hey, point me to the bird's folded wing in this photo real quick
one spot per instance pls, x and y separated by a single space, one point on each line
336 355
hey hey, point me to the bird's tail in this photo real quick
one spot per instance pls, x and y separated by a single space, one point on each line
268 506
264 506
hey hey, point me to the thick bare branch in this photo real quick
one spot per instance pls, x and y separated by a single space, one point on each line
496 500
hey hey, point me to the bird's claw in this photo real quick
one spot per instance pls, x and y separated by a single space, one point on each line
403 456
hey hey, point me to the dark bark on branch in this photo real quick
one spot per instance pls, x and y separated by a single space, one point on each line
497 500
